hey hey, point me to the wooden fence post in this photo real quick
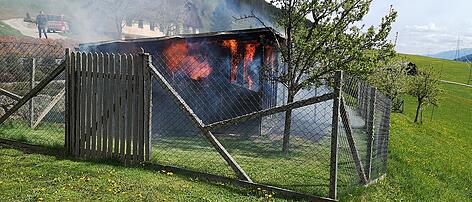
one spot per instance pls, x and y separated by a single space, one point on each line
32 64
370 132
334 135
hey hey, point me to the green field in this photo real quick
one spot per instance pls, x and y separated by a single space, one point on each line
6 30
429 162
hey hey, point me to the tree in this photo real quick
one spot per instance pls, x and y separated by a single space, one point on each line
331 41
391 80
425 88
117 11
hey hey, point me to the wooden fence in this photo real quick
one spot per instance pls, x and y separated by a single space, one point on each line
108 111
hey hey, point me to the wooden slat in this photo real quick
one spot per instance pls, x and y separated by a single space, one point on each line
110 114
73 116
67 103
129 108
88 106
105 104
99 112
135 108
83 102
140 105
116 104
121 94
78 61
94 104
147 110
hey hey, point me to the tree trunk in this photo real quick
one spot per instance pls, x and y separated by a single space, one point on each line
418 110
288 124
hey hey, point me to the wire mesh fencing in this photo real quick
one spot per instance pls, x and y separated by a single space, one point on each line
217 92
369 118
241 117
22 67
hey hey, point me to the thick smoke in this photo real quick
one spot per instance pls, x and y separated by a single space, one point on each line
99 20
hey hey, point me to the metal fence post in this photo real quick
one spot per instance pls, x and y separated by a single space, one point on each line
334 135
370 131
32 64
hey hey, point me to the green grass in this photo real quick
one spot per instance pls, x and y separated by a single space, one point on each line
33 177
450 70
7 30
306 169
430 162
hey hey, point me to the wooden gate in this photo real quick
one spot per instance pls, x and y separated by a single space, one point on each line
108 106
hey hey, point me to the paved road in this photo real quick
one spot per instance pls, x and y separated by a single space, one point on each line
456 83
29 29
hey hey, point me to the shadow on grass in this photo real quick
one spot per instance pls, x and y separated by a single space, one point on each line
60 154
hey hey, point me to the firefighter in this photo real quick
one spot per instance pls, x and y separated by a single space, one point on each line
41 21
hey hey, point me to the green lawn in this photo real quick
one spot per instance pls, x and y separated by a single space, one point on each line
306 169
430 162
34 177
6 30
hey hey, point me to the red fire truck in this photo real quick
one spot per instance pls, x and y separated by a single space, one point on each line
57 23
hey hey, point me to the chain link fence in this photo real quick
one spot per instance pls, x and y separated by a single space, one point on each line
206 84
217 89
23 66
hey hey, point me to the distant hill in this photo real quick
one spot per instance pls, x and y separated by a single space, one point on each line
451 55
467 58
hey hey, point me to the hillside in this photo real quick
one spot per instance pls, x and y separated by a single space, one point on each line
430 162
6 30
450 70
452 54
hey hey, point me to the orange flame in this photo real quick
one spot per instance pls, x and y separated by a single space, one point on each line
232 44
248 58
178 58
269 56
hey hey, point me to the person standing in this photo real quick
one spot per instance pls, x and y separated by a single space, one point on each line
41 21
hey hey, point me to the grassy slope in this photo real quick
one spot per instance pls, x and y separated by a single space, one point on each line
6 30
430 162
450 70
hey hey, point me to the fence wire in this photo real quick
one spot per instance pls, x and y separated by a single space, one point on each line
217 88
23 66
208 86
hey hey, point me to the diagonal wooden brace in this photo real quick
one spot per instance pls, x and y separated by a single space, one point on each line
199 123
270 111
34 91
352 143
51 105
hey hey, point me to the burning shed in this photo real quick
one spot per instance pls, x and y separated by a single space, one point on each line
218 74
